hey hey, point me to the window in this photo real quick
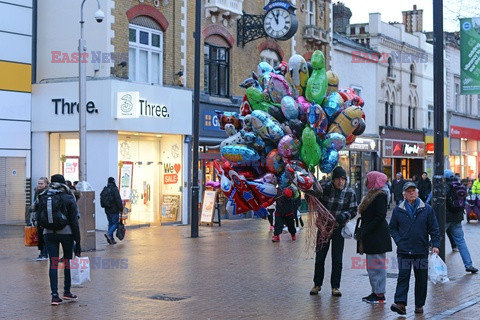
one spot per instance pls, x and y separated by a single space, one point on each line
392 106
389 113
310 12
411 117
412 73
145 54
456 104
390 68
217 74
270 56
430 117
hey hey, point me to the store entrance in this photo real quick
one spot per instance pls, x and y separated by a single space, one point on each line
409 167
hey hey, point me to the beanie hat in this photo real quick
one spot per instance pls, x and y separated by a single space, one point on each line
376 180
339 172
57 178
111 180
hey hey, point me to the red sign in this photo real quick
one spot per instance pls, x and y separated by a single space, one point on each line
170 178
467 133
430 148
407 149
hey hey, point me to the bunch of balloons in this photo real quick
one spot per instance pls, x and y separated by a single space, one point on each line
293 118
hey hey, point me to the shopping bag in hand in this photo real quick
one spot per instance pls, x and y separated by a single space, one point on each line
437 269
80 270
31 236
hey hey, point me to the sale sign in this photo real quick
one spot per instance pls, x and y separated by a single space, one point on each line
170 173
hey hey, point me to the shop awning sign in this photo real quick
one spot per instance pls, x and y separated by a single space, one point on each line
404 149
470 55
127 104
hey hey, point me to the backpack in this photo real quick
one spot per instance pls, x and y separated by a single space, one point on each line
107 199
51 211
458 196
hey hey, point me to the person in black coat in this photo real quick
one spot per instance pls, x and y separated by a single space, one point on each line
112 210
373 237
397 188
424 187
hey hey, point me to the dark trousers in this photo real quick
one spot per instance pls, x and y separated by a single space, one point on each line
52 242
337 255
420 270
270 216
284 220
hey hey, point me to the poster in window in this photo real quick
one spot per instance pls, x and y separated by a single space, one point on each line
126 176
170 203
208 206
70 168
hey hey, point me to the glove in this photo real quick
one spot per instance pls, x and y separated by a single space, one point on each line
342 218
288 192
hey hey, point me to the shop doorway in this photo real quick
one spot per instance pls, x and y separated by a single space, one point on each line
409 167
12 190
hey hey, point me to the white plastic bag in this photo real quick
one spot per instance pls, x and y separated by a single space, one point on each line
349 229
437 269
80 270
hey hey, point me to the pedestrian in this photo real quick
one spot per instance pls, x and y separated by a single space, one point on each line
415 179
285 209
476 186
424 187
111 201
72 187
373 237
397 187
271 212
411 224
57 214
42 184
454 218
340 200
449 233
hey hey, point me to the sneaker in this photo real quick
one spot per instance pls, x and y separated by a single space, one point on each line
69 296
455 249
45 258
398 308
376 299
56 300
471 269
112 241
418 309
315 290
336 292
40 258
271 228
368 297
108 239
276 238
294 237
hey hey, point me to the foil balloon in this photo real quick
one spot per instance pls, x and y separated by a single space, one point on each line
235 139
230 129
332 104
310 150
332 79
350 97
264 69
278 88
252 140
347 121
289 108
269 178
329 160
283 180
296 126
360 129
274 161
333 141
281 69
245 107
302 105
350 139
240 154
276 113
251 82
297 75
225 117
257 100
317 83
289 146
266 127
317 120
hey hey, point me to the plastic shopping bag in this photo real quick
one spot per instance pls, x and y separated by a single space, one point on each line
437 269
31 237
80 270
349 229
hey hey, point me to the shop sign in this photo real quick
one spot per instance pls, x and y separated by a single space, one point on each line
363 144
63 106
469 56
131 105
467 133
430 148
403 149
210 121
170 173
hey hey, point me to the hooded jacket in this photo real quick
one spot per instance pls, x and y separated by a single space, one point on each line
424 188
117 205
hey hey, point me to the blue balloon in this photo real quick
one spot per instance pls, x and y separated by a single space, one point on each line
239 153
329 160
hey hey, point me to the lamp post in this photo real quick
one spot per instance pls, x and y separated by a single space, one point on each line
83 185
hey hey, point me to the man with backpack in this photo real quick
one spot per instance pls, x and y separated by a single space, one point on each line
456 195
112 203
57 216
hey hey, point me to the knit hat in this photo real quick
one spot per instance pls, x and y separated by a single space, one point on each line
57 178
339 172
376 180
111 180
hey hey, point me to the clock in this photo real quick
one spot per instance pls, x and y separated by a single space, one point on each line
280 21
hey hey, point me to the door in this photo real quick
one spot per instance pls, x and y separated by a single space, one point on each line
12 190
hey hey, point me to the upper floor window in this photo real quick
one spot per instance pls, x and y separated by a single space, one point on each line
390 68
389 113
456 103
411 117
145 52
270 56
217 70
430 117
412 73
310 12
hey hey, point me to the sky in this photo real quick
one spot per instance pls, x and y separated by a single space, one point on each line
392 11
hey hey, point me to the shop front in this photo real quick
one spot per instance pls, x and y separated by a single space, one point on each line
403 156
464 156
429 154
135 133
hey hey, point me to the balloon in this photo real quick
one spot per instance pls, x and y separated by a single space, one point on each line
257 99
264 69
317 83
230 129
245 107
252 140
278 88
283 180
281 69
233 140
332 78
317 120
334 141
360 129
289 108
297 75
350 97
225 117
289 146
350 139
269 178
332 104
303 178
347 121
251 82
275 162
266 126
239 154
329 160
296 126
310 150
277 113
302 105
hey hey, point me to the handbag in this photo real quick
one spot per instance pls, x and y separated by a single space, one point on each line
121 231
31 236
356 235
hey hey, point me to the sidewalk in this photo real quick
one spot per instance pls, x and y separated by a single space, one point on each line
229 272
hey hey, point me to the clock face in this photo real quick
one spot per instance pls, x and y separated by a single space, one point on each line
277 23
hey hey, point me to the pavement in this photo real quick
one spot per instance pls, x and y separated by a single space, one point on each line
228 272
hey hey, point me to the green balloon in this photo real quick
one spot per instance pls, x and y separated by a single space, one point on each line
310 150
257 99
317 83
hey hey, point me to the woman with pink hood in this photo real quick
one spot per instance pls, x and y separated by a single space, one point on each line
373 236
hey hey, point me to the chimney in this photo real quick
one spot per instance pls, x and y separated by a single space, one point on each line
413 20
341 17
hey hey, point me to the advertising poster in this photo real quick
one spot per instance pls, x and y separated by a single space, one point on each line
126 173
70 169
470 56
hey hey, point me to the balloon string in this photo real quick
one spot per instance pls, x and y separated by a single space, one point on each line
320 225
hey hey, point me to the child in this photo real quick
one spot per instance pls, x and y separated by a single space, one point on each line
286 209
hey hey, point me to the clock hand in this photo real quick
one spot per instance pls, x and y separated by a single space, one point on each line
275 17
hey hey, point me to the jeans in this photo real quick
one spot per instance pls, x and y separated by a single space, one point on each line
420 270
112 223
377 272
52 242
455 228
337 255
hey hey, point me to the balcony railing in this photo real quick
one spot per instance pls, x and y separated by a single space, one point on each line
223 10
315 34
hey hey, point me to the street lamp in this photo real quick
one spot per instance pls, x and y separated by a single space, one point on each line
83 185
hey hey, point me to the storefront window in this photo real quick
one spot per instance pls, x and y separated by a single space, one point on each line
64 155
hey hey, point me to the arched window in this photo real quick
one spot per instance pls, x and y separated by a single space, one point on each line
412 73
145 50
389 107
390 68
216 53
270 56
